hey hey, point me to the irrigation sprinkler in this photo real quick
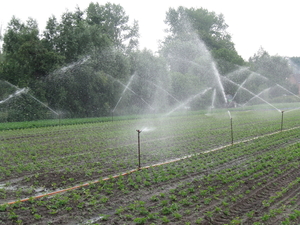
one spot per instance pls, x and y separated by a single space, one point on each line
281 120
139 148
59 119
231 128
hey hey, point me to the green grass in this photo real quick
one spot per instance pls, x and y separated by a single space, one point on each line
59 122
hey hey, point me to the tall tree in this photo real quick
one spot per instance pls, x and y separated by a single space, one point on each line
112 21
211 28
98 27
275 68
26 59
69 37
90 86
151 83
295 64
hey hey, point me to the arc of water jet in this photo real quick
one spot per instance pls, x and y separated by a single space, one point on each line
163 90
129 82
44 104
215 72
213 99
218 76
253 94
262 76
242 84
257 95
212 102
18 92
229 114
33 98
189 100
239 70
292 110
130 90
287 90
117 103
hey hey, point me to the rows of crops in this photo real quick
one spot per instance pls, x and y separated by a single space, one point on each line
251 182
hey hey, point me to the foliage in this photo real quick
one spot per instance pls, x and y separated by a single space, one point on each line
24 108
81 64
276 68
198 49
151 82
256 179
26 59
113 22
208 27
88 88
295 64
97 28
32 60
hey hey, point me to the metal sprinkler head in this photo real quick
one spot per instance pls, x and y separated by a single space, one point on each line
139 131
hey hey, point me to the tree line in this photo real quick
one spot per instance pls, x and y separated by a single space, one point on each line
81 63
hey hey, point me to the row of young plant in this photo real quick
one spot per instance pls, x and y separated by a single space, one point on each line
60 121
210 185
75 154
216 194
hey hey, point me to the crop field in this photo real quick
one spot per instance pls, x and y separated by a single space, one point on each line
194 169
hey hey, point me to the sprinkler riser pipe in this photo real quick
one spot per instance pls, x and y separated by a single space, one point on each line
139 149
135 170
231 129
281 120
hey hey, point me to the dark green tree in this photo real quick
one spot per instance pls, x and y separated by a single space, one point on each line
26 59
151 83
211 28
275 68
89 87
274 73
98 27
295 64
69 37
111 21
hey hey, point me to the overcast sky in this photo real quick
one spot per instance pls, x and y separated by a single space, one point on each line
271 24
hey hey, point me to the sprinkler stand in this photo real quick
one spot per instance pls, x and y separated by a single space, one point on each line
139 149
281 120
231 128
59 118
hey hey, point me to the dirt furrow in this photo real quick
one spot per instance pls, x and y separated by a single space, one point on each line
253 202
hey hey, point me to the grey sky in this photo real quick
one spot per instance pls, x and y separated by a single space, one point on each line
270 24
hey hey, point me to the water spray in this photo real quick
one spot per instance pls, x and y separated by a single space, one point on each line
242 84
291 110
139 148
267 89
169 94
218 76
189 100
254 95
288 91
126 87
17 93
129 89
26 90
